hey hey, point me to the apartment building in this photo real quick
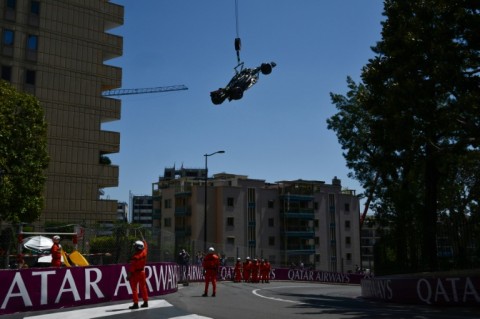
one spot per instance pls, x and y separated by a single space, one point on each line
288 222
142 211
56 50
122 212
369 236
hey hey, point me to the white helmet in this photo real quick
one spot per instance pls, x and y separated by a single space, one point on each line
56 237
138 245
211 249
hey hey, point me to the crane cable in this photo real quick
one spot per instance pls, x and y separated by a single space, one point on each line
238 41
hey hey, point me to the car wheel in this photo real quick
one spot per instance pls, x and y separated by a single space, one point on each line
236 93
217 97
266 68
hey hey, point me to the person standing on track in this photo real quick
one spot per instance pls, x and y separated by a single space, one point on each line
247 265
136 274
210 265
238 271
56 252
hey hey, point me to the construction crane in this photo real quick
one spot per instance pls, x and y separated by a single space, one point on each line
159 89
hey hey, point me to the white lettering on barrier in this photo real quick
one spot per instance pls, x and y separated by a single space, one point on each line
43 284
71 283
309 275
22 291
122 282
226 273
148 275
470 290
379 288
92 280
89 284
440 292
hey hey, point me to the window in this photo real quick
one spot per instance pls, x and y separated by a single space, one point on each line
32 42
230 201
6 73
347 207
316 223
317 240
271 222
167 222
30 77
11 4
32 47
271 203
271 241
315 205
230 221
231 241
347 225
348 240
8 37
34 16
349 257
10 10
168 203
35 7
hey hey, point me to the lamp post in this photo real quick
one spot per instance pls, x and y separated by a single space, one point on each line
205 200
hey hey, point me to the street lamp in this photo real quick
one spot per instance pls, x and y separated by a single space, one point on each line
205 201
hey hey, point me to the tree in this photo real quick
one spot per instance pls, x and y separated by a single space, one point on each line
23 155
415 118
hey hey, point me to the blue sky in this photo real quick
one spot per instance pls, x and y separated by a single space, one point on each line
278 130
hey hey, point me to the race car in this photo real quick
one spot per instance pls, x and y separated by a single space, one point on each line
241 81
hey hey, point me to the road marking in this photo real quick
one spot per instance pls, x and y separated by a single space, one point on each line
190 317
255 292
104 311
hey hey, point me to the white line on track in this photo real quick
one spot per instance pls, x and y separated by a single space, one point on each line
256 293
104 311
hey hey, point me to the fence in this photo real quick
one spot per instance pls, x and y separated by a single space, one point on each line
102 246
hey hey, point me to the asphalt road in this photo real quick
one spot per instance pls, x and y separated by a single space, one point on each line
277 300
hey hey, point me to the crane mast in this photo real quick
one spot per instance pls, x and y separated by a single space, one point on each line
117 92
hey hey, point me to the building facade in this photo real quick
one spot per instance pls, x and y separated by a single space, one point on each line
56 50
142 211
299 222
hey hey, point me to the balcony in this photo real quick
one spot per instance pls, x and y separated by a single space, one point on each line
183 211
307 214
309 250
304 232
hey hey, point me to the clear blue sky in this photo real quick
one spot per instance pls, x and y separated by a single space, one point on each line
278 130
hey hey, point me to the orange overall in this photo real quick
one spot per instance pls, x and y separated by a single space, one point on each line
247 269
56 252
211 263
137 273
238 272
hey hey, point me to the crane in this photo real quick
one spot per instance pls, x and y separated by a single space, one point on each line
117 92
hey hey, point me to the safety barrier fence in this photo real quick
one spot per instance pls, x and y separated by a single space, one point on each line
51 288
36 289
436 290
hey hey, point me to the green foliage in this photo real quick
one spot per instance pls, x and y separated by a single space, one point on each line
23 155
410 130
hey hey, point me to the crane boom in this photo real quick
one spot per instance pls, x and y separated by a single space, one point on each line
117 92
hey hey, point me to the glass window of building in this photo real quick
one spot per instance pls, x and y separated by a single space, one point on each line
8 37
6 73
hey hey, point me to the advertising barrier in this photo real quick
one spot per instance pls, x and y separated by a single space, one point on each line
227 273
439 291
51 288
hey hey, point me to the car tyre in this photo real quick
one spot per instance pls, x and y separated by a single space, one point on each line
217 97
236 93
266 68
